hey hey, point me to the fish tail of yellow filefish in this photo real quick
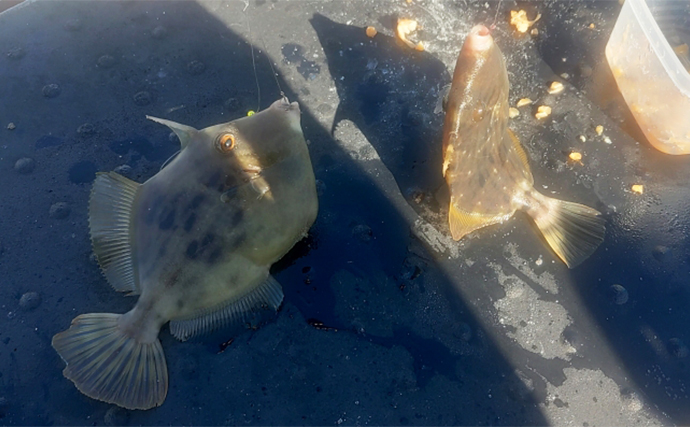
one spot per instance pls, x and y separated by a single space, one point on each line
105 364
573 231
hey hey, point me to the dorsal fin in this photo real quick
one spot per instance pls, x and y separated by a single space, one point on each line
110 210
184 133
269 293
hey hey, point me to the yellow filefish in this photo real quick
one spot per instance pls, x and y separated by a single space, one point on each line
486 168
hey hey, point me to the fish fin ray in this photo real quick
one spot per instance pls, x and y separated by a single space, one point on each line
462 222
269 293
573 231
105 364
110 211
519 149
184 133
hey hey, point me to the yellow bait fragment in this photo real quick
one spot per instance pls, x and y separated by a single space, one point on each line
250 113
406 27
371 32
523 102
575 157
637 188
513 112
599 129
556 87
543 112
520 22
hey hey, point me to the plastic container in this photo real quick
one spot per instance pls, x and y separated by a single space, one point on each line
650 74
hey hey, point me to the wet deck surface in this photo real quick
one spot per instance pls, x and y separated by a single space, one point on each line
385 319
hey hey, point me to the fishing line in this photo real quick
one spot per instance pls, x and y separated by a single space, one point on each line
498 7
270 63
251 46
273 71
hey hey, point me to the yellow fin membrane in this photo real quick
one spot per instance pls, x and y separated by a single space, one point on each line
462 223
107 365
573 231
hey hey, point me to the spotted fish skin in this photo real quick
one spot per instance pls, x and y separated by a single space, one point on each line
195 242
209 226
487 169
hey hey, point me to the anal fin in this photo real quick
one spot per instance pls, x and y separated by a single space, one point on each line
462 222
110 210
268 294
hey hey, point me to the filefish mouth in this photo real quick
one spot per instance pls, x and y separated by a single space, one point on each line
479 39
284 104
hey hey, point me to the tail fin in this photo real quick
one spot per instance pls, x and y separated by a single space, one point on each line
107 365
573 231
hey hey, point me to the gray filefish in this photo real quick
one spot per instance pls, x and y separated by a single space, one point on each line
195 242
485 166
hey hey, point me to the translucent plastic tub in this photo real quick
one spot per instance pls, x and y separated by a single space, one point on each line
650 68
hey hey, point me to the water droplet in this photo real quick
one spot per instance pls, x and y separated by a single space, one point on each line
159 32
25 165
660 252
59 210
363 232
86 130
106 61
51 90
232 104
74 25
142 98
678 348
30 301
618 294
124 170
320 187
16 53
196 67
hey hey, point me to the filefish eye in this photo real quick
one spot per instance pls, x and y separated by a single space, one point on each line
225 143
478 114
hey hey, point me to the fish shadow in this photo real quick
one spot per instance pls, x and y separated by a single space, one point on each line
177 61
390 92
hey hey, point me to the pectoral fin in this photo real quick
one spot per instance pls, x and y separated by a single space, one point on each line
110 210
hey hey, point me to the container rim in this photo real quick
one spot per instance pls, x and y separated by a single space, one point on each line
671 63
